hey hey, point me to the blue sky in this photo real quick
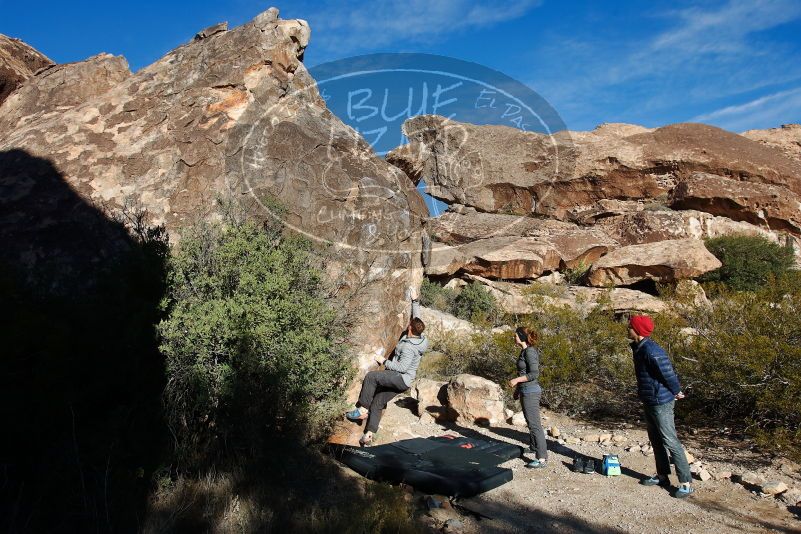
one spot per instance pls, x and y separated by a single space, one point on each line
734 64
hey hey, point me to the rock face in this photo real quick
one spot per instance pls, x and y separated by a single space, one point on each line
231 116
500 169
772 206
18 62
440 324
473 399
528 298
663 261
432 397
787 139
510 247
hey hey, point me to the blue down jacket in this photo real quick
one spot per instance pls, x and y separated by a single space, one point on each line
657 382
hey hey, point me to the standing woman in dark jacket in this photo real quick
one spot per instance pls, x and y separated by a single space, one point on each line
527 387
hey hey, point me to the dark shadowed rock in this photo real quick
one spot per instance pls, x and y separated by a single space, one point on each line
18 62
236 117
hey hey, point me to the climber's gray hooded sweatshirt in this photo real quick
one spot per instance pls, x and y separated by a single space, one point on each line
408 353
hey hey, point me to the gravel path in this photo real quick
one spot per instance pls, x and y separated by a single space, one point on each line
557 500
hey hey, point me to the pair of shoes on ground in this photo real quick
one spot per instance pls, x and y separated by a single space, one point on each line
684 490
583 465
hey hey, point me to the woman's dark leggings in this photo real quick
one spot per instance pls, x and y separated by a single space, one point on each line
531 410
378 388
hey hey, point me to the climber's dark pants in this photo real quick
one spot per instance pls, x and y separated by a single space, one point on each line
378 388
662 435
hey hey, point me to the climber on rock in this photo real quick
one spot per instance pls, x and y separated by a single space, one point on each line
379 387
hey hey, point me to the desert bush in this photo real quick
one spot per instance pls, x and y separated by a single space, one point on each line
474 303
433 295
740 362
748 261
577 274
252 346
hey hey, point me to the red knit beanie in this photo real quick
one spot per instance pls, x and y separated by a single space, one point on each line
642 324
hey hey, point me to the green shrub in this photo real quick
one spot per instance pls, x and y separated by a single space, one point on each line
433 295
250 341
577 274
748 261
474 303
741 363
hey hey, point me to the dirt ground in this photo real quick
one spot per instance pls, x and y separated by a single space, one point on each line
555 499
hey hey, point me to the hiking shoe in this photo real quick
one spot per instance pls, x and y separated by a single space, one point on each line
655 481
683 492
589 466
578 464
356 415
536 464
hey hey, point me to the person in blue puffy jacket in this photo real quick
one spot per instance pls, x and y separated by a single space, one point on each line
658 388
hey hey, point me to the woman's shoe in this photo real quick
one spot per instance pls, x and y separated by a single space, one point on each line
589 466
356 415
578 464
536 464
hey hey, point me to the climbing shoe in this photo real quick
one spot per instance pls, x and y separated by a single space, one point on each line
536 464
356 415
589 466
683 491
655 481
578 464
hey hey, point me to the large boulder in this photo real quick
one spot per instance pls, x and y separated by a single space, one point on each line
229 122
432 397
662 261
501 169
18 62
787 139
476 400
440 324
772 206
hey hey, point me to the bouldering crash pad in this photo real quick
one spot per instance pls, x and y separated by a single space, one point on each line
445 465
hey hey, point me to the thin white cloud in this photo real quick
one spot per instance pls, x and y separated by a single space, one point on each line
704 53
341 29
763 112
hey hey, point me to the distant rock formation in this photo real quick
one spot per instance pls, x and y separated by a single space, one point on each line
18 62
787 138
632 202
232 115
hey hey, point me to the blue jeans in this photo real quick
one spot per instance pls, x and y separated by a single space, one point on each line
662 434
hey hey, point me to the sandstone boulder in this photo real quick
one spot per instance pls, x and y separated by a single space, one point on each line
767 205
501 169
774 487
663 261
18 62
787 139
230 119
431 396
476 400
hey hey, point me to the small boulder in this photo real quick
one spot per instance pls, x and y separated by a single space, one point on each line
690 457
617 438
603 438
431 396
554 432
592 438
749 478
476 400
572 440
704 475
519 419
774 487
791 497
723 475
